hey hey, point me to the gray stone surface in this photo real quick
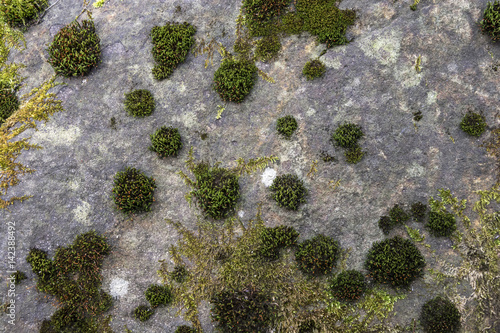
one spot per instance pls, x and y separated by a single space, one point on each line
371 81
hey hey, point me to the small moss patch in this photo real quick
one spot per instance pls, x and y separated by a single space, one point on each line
9 103
180 273
441 224
171 45
166 141
18 277
288 191
143 312
317 256
268 48
139 103
19 13
234 79
313 69
133 191
348 285
347 136
286 126
473 124
158 295
418 211
439 315
185 329
274 239
490 24
75 49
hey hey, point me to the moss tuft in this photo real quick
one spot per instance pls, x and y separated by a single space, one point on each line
75 49
439 315
441 224
396 261
354 155
143 312
473 124
234 79
398 215
307 326
166 141
347 136
286 126
268 48
18 276
171 45
317 256
418 211
139 103
348 285
490 24
313 69
385 224
133 191
158 295
19 13
9 103
185 329
179 274
288 191
274 239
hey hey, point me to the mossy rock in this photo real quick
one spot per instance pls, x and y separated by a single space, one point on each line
9 103
317 256
262 13
348 285
439 315
143 312
234 79
76 49
171 45
133 191
268 48
313 69
274 239
286 126
490 24
158 295
20 13
139 103
166 141
288 191
441 224
216 190
395 261
473 124
347 135
292 23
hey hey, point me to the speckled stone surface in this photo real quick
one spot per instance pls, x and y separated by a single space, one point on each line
372 81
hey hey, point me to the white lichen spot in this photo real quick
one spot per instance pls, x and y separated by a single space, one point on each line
73 185
189 119
384 48
182 88
431 97
279 64
415 170
268 176
331 63
118 287
310 112
81 213
241 214
407 75
56 136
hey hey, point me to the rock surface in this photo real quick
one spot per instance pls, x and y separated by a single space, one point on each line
372 81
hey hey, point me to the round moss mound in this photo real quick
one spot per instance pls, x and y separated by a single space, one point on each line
385 224
395 261
179 274
490 24
286 126
288 191
439 315
166 141
9 103
158 295
243 311
348 285
143 312
354 155
473 124
441 224
318 255
274 239
185 329
418 211
216 189
268 48
133 191
347 135
139 103
234 80
21 13
313 69
75 49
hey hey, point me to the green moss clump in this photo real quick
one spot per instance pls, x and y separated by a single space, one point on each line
441 224
185 329
396 261
398 215
234 79
74 278
171 45
348 285
18 277
490 24
158 295
21 12
347 136
473 124
139 103
307 326
243 311
274 239
75 49
143 312
288 191
292 23
133 191
166 141
216 189
354 155
385 224
318 255
47 327
268 48
439 315
260 14
9 103
179 274
286 126
313 69
418 211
